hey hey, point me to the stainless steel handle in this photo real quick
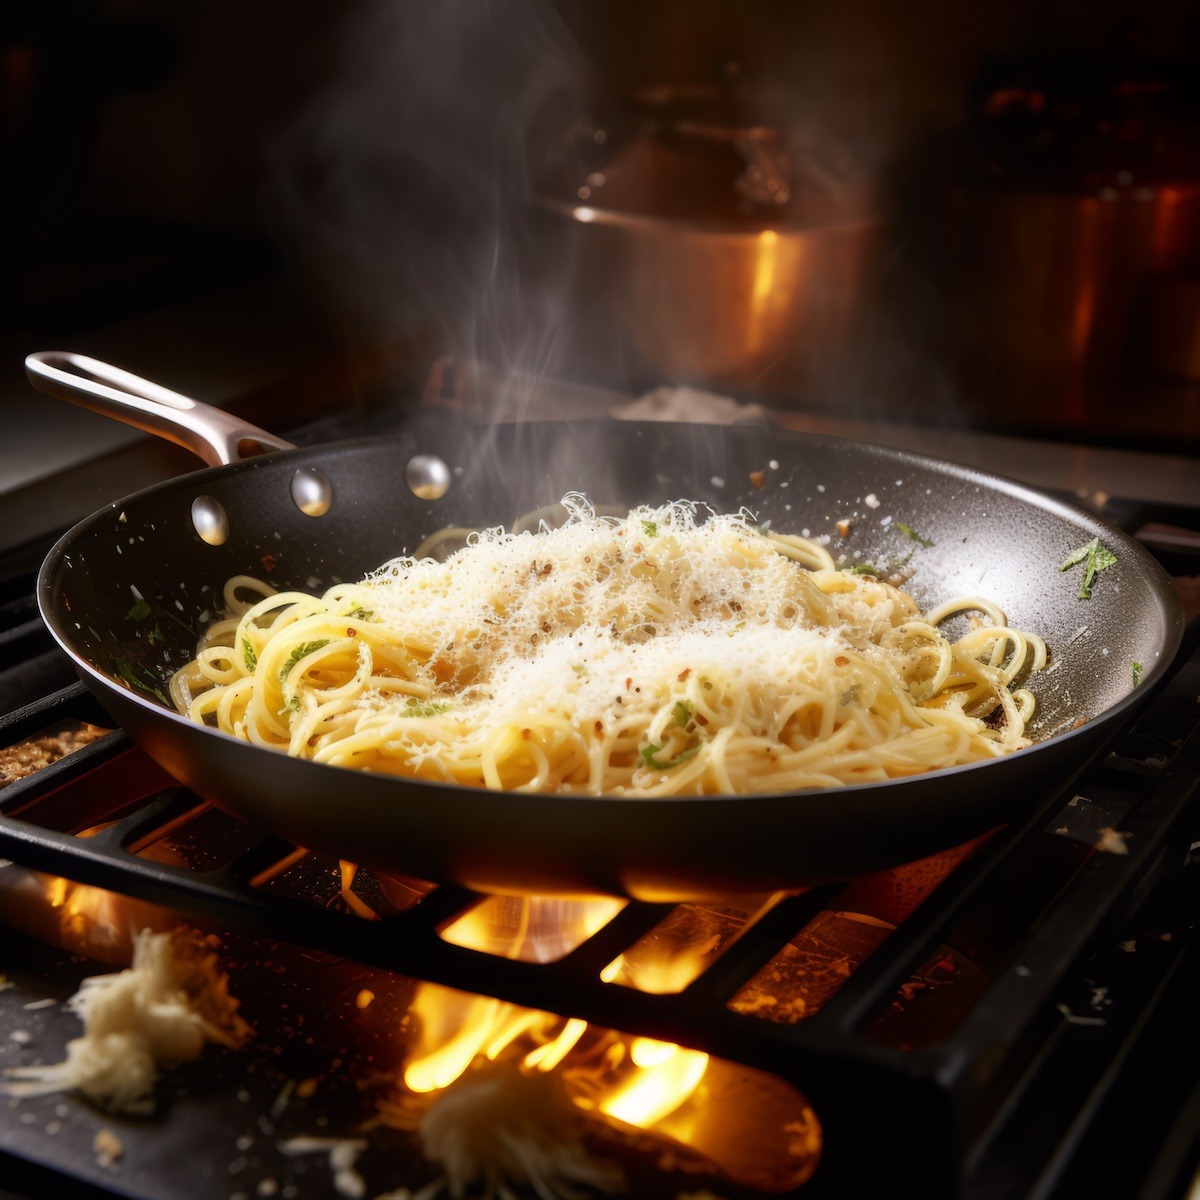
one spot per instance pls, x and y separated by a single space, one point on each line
216 436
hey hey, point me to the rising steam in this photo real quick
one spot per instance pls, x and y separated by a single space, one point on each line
404 191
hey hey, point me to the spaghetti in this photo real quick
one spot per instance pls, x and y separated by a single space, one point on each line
653 653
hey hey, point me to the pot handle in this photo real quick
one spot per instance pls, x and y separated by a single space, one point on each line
216 436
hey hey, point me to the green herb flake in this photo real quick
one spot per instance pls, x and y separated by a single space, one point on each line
294 704
864 569
910 533
361 614
248 656
155 635
140 678
850 695
424 708
650 757
650 528
1095 558
683 712
579 669
300 652
1137 673
139 612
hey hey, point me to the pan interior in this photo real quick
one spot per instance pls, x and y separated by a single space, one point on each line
129 590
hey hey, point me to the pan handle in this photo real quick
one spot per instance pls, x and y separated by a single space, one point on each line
216 436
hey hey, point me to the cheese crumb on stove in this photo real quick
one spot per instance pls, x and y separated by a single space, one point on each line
159 1012
1112 841
107 1147
343 1154
504 1127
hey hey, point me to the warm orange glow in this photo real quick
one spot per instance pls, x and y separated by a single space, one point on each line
531 928
76 917
56 891
646 1052
87 913
548 1056
682 946
713 1115
638 1081
762 287
667 1077
740 1122
442 1056
348 871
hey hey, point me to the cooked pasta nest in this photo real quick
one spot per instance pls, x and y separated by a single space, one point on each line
668 650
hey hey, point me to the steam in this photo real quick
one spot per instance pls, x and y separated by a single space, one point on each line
408 195
404 192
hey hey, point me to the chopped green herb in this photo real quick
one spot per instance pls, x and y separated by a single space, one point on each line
248 656
850 695
579 669
300 652
1137 673
139 612
424 708
155 635
1095 558
683 712
910 533
294 704
140 678
864 569
361 614
650 528
650 753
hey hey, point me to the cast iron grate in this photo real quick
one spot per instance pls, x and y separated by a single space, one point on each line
1031 911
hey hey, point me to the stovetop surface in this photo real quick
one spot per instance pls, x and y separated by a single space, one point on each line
221 1123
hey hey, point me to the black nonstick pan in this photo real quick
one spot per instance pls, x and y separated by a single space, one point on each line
126 591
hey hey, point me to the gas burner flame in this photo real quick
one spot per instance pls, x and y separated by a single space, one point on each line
651 1093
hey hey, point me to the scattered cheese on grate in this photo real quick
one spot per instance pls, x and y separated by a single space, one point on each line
159 1012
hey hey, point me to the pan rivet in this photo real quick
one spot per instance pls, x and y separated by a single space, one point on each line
312 492
427 477
210 521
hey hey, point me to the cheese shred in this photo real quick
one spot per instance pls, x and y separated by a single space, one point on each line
158 1013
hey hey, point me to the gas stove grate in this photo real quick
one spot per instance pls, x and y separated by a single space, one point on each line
1037 909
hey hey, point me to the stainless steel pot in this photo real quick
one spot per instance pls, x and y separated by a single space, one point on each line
706 249
1051 290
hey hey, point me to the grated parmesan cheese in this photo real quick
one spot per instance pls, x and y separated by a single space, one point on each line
343 1156
528 622
503 1127
159 1012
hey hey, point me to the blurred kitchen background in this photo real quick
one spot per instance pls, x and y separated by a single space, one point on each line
929 216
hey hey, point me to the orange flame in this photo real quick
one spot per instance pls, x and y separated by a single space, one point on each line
630 1082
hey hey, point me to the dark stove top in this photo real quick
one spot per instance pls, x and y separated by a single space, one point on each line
1034 1011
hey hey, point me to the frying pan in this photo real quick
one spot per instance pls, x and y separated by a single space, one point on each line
126 591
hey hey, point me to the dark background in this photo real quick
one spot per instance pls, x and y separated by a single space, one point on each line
230 196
